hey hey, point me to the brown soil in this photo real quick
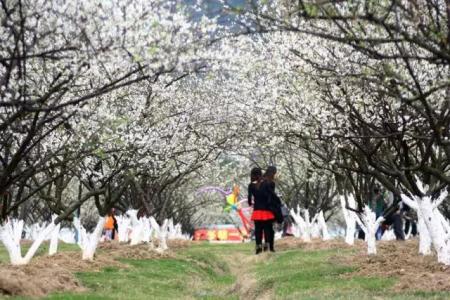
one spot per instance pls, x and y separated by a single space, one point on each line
402 261
35 283
115 250
178 244
47 274
296 243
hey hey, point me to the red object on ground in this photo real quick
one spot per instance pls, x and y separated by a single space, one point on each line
218 233
262 215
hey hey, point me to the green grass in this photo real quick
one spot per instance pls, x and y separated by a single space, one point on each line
196 273
154 279
310 275
203 272
300 274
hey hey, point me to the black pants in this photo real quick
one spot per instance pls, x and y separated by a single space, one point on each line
398 227
413 225
266 228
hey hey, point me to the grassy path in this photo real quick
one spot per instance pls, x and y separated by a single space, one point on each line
224 271
246 285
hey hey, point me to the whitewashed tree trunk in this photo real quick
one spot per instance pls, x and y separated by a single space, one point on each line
137 232
146 230
153 233
428 210
155 227
297 231
315 230
302 230
123 224
178 232
170 230
27 230
323 226
35 229
45 233
17 228
13 247
436 230
83 237
296 225
161 233
424 237
11 244
53 248
163 236
371 225
152 240
350 219
90 241
307 232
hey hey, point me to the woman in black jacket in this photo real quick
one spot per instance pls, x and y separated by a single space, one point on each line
262 195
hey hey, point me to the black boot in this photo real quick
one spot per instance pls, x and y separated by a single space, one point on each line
258 249
271 248
266 247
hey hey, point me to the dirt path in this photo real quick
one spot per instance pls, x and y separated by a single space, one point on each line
246 285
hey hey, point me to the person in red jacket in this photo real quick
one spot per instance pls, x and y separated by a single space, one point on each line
262 192
255 178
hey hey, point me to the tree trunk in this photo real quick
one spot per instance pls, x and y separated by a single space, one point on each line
424 237
302 230
427 209
17 227
350 220
13 247
371 225
307 231
53 248
146 230
436 230
123 224
323 226
11 244
170 230
161 232
90 241
163 236
137 234
137 227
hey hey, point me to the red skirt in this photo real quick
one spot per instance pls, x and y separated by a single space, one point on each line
262 215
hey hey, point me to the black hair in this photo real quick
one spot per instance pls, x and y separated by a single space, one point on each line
255 174
270 172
